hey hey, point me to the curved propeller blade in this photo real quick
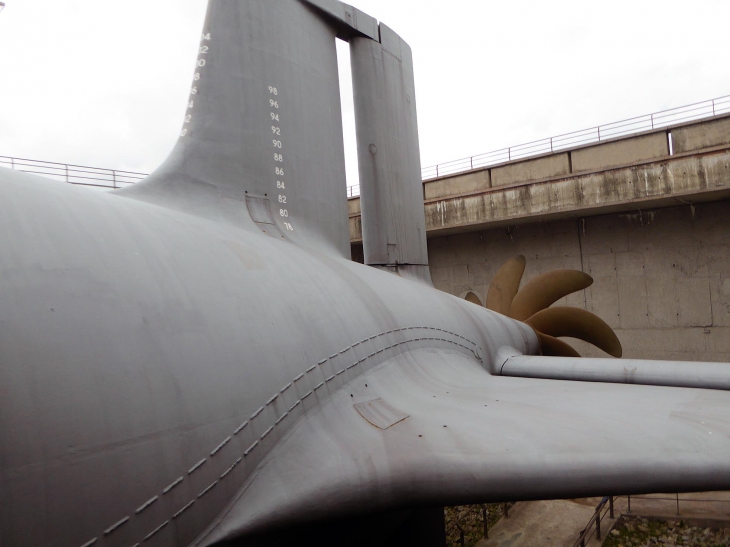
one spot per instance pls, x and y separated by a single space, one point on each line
554 347
473 298
544 290
505 284
577 323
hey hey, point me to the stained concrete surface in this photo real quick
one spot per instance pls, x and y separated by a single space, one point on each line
559 523
555 523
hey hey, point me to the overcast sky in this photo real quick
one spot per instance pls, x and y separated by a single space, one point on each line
105 83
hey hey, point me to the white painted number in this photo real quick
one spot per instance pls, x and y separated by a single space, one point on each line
191 104
277 144
274 103
275 130
188 118
201 62
282 199
288 226
184 132
274 116
203 50
280 185
273 90
280 171
278 157
283 212
194 91
206 36
197 76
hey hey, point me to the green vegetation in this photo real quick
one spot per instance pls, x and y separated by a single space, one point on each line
639 532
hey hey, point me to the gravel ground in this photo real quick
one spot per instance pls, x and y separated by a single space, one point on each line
638 532
469 519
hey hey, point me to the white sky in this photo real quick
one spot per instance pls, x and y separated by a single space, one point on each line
105 83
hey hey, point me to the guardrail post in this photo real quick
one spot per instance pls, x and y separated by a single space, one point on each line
551 144
599 132
610 506
437 171
506 510
471 162
713 107
461 538
12 163
598 525
652 121
629 497
678 503
66 166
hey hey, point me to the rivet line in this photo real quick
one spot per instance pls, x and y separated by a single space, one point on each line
270 429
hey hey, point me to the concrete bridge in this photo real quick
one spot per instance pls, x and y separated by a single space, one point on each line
648 216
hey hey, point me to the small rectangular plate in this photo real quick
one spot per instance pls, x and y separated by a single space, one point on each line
380 414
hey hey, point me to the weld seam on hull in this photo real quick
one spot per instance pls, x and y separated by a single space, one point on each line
204 492
173 485
181 511
153 532
145 505
194 468
116 525
218 448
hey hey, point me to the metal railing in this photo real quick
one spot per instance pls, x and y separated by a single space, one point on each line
605 507
639 124
74 174
456 528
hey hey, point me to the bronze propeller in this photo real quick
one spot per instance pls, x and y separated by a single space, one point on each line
531 304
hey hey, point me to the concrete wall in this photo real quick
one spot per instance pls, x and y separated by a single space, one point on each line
464 183
554 165
662 278
702 135
621 152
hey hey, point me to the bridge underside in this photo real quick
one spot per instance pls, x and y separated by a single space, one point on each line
652 228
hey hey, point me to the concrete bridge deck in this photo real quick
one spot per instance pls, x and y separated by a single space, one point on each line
681 164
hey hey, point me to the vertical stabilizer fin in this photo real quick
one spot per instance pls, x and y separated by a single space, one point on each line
391 191
263 127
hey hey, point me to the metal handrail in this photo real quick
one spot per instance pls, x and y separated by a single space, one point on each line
594 524
82 175
637 124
